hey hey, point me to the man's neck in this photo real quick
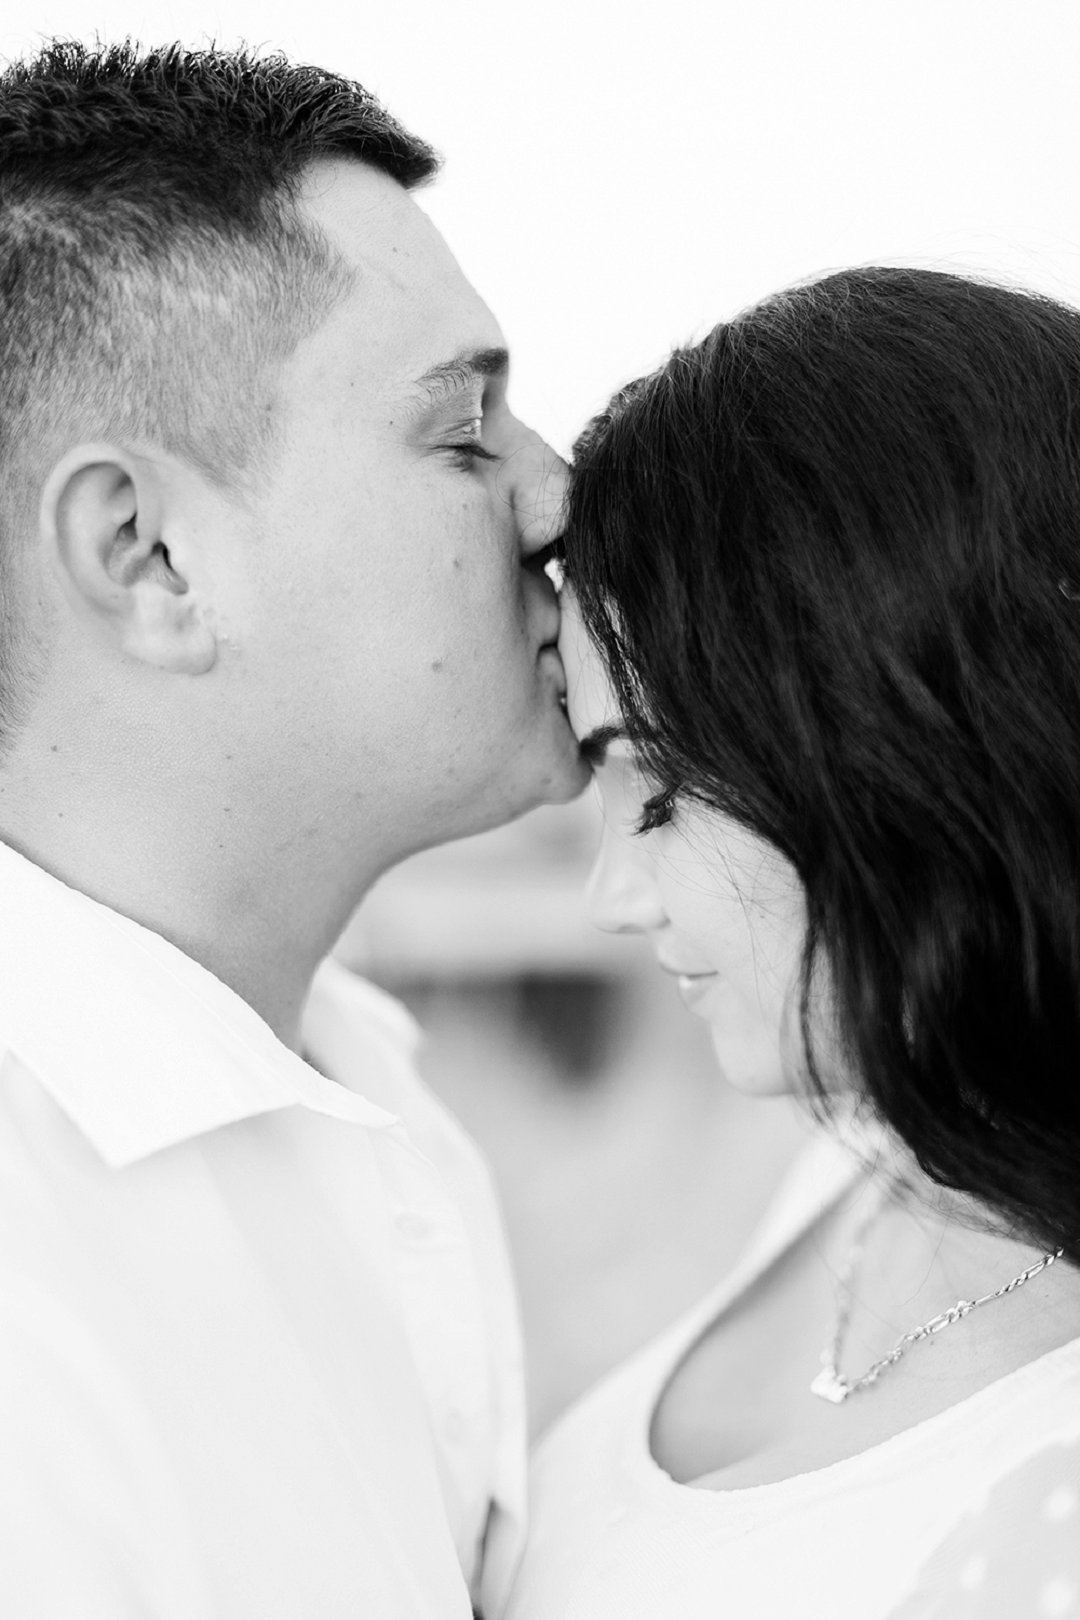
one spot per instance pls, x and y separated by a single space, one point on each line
258 914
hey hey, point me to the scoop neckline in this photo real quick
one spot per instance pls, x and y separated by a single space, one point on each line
810 1480
680 1339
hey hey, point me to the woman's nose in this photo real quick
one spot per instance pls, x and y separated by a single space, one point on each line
622 895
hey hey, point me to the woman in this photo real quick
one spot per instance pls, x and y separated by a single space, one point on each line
830 558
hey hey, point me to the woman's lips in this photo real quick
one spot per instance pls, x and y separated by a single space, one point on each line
694 983
694 987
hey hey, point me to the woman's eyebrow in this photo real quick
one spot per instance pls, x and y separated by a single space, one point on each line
594 745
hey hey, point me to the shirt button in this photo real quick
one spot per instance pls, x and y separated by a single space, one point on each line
413 1228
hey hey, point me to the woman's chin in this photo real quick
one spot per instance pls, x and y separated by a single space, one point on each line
751 1070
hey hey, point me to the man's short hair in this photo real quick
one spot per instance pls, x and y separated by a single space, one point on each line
153 264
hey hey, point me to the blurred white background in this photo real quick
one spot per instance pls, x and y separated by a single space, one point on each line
619 177
622 175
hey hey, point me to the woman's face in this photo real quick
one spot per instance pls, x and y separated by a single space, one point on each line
722 910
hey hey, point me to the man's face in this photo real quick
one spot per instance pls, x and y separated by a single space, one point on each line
397 634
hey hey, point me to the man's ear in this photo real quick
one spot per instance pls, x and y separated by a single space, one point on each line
103 519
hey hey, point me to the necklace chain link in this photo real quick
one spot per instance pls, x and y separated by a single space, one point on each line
830 1383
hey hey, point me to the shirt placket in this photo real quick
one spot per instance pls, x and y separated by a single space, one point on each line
445 1322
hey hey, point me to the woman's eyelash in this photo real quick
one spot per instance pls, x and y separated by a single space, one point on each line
657 811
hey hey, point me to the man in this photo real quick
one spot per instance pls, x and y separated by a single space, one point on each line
274 616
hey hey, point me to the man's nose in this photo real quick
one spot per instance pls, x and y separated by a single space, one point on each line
534 479
622 895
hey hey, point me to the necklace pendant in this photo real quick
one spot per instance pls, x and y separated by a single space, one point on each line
831 1385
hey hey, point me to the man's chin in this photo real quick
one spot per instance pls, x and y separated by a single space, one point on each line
567 775
547 770
558 777
570 782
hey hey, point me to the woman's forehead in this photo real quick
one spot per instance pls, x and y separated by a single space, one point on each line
590 701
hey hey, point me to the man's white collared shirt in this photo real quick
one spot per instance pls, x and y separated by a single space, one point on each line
258 1346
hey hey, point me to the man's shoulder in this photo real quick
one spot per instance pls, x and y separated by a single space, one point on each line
365 1004
37 1138
365 1039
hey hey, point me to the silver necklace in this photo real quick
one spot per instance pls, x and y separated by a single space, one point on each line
830 1382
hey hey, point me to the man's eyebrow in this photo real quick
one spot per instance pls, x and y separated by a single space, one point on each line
594 745
460 372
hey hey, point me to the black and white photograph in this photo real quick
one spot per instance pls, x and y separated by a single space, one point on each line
539 810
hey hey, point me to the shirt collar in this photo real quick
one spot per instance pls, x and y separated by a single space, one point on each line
140 1045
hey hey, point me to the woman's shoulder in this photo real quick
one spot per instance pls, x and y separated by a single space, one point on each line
1016 1554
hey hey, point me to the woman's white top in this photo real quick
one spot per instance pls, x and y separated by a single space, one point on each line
974 1512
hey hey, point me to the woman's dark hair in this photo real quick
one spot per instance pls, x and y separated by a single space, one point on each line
831 556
